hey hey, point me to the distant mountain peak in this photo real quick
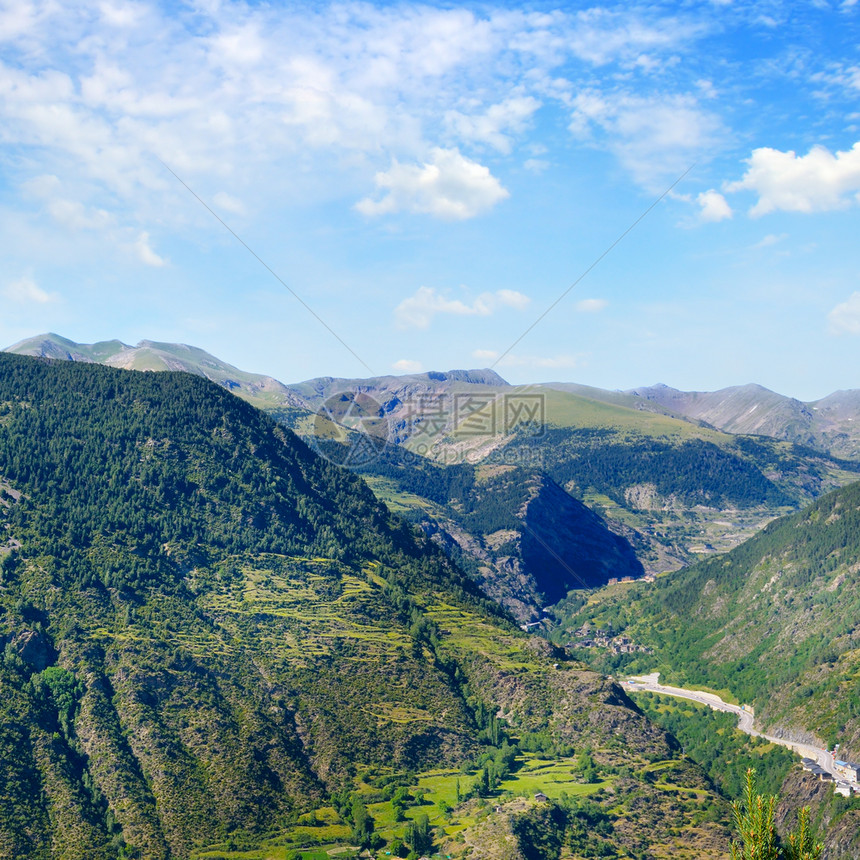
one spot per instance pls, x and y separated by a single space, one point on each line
484 376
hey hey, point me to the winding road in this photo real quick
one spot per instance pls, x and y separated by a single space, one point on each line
745 715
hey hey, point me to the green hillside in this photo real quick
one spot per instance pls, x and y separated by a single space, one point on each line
775 621
217 644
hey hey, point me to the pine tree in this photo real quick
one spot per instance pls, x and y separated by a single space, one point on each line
801 845
754 824
755 827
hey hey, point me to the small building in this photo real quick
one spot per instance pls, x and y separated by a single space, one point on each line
540 797
848 769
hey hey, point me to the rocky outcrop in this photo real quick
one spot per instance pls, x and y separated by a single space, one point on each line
35 649
838 830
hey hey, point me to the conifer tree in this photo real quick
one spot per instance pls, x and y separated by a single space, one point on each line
754 822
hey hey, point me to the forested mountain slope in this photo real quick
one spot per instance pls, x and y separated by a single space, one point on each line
775 621
675 489
518 533
208 630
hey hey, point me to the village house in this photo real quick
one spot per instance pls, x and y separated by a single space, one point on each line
848 770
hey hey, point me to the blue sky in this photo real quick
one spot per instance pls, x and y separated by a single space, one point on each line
431 178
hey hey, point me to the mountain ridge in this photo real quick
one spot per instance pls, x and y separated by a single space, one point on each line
565 430
830 424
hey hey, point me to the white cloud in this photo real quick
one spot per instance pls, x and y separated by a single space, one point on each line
845 317
75 216
512 299
715 207
601 35
419 310
591 306
816 182
264 94
122 15
408 365
837 77
16 18
451 186
43 186
533 361
26 291
229 203
654 137
145 253
495 123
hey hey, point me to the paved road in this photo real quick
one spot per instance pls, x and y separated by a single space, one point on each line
745 714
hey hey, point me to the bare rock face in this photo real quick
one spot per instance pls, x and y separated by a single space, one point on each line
35 649
838 830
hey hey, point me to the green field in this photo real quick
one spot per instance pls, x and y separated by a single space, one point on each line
321 835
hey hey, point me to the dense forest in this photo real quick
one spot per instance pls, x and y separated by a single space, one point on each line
135 478
695 471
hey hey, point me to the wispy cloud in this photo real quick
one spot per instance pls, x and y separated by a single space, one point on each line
26 291
496 124
769 241
654 137
75 216
419 310
590 306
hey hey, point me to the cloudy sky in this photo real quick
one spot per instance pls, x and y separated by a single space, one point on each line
430 181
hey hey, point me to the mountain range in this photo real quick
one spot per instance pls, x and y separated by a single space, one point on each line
218 644
660 489
830 425
827 424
